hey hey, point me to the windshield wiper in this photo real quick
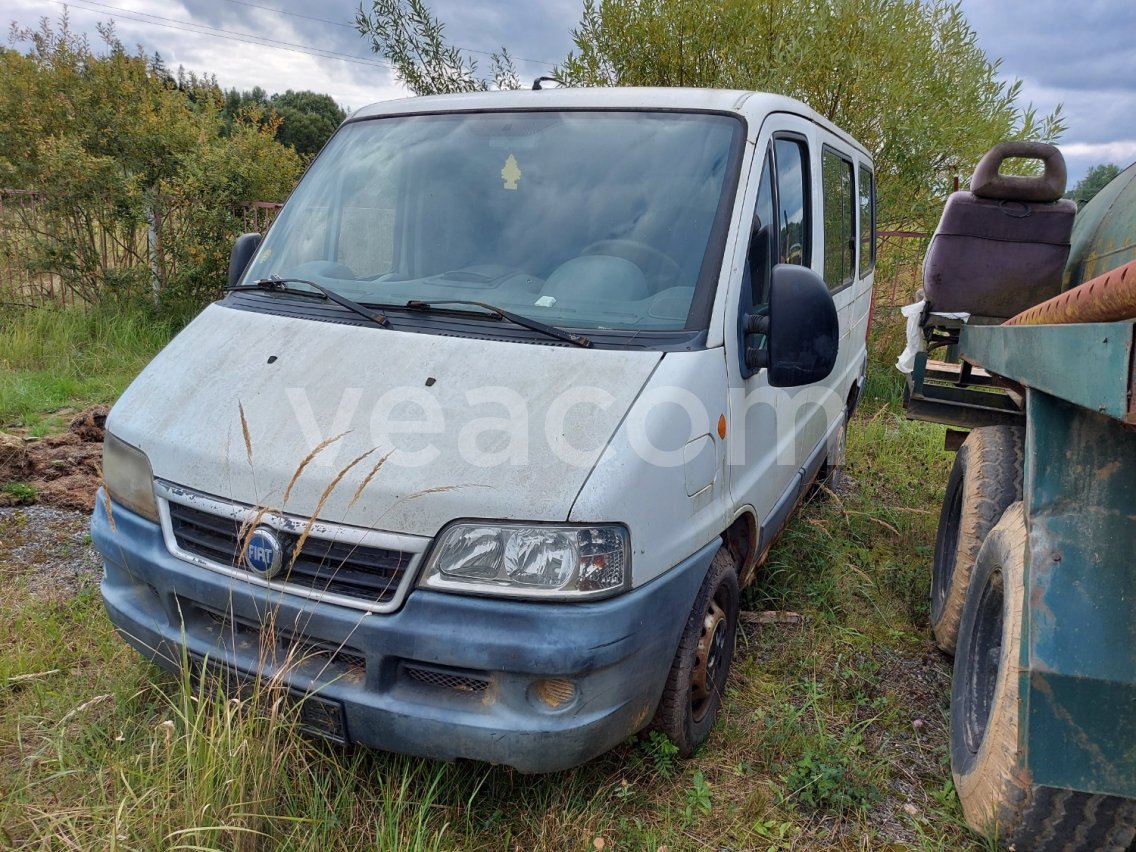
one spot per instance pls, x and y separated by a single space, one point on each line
280 285
516 319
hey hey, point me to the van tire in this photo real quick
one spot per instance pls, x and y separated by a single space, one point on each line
997 797
986 478
692 696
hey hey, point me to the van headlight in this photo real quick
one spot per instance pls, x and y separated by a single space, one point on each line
128 477
530 560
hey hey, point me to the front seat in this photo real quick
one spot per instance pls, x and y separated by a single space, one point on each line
597 277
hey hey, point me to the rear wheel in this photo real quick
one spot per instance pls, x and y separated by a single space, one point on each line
693 693
985 479
997 797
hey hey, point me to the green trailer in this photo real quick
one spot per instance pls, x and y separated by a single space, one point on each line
1034 576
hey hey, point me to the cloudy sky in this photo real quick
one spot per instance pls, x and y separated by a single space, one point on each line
1084 59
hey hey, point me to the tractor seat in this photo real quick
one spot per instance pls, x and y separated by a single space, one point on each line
1001 247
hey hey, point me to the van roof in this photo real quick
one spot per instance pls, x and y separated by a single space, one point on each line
750 104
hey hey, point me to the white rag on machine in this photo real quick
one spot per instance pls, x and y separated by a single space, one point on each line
915 342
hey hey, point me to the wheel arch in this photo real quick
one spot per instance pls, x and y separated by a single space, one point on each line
741 538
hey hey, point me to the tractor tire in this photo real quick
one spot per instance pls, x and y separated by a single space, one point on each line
998 799
986 478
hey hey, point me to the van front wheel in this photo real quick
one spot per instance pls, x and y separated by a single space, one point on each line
697 679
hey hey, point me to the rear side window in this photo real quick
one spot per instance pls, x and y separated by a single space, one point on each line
838 191
792 200
867 221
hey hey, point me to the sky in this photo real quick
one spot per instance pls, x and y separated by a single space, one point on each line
1078 54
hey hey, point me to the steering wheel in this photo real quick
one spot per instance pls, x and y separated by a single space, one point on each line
655 264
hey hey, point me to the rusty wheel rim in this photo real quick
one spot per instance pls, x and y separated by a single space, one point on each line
708 658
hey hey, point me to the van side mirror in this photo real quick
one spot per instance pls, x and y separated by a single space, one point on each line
801 328
243 250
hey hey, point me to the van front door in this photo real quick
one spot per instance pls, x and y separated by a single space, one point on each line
777 433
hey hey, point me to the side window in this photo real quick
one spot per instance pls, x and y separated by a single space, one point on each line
764 209
867 221
838 192
761 241
792 200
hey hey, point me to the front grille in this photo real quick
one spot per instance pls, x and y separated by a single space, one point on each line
325 566
446 678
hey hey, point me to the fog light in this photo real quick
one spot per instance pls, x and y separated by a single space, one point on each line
552 693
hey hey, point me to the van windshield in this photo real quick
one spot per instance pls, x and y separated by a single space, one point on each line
600 220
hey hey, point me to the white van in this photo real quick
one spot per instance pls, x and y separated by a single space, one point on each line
490 428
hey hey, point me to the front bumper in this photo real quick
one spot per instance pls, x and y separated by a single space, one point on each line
446 676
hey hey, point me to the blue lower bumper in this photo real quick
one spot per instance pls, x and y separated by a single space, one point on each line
447 676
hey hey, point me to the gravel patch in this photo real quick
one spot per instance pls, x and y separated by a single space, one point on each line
45 552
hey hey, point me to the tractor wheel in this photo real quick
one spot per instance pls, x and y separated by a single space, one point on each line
985 479
997 796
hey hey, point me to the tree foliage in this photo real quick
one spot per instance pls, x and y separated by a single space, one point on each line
307 120
136 186
1093 182
304 120
405 32
905 77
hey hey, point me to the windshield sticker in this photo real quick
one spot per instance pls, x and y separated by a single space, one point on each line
511 173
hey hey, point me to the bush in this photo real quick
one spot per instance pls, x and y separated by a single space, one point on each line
137 188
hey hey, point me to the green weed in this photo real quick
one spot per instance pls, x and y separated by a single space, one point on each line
21 492
660 752
51 358
831 775
697 797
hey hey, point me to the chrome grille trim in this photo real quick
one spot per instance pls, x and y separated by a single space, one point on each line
321 531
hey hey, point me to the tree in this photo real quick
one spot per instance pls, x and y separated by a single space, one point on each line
905 77
405 32
135 183
307 120
304 120
237 106
1093 182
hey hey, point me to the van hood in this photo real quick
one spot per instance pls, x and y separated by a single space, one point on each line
373 427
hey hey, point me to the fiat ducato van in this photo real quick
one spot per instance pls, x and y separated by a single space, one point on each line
492 425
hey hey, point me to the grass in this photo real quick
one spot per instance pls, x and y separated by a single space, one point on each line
832 735
20 492
65 358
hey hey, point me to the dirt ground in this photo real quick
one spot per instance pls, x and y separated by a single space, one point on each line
45 553
62 471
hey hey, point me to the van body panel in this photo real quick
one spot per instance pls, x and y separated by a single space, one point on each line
566 404
779 431
616 653
641 476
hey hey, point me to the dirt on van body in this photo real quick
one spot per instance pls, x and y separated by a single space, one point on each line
62 470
